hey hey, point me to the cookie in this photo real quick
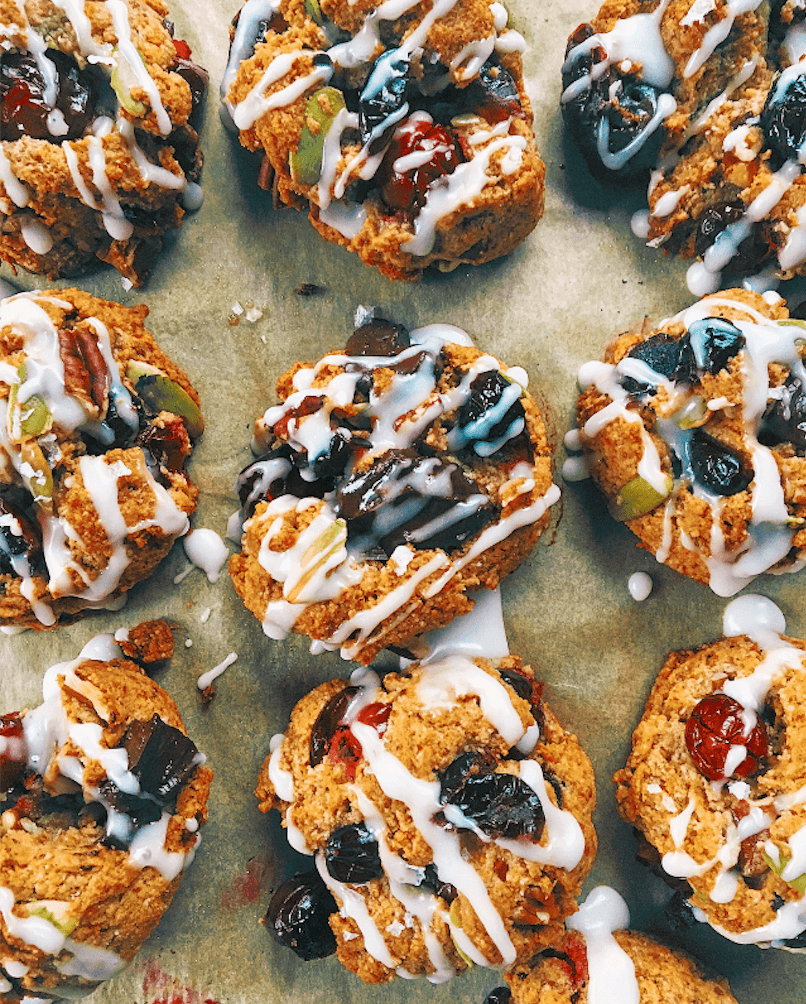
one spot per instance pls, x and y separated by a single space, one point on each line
706 101
714 784
101 798
396 475
695 430
405 133
96 424
449 814
597 960
98 116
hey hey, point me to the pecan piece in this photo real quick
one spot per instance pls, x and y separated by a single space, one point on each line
85 374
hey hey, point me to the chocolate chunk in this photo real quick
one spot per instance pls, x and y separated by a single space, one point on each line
160 757
378 337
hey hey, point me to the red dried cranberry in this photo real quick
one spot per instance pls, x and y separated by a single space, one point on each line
716 724
182 48
298 916
23 109
573 945
169 445
334 740
344 748
407 190
13 756
351 855
307 406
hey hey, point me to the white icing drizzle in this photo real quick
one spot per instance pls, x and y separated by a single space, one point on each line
611 972
717 34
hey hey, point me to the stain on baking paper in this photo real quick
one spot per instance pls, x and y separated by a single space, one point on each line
246 888
169 989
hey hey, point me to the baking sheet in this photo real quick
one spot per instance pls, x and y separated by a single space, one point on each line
549 307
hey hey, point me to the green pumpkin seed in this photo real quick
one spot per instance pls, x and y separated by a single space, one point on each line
161 393
123 80
798 884
31 418
637 498
306 161
36 473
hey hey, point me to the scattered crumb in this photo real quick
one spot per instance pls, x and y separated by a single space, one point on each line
207 695
205 615
188 642
149 642
308 289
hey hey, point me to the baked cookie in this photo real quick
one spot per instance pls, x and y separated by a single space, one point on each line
695 430
406 132
396 475
597 960
101 798
716 778
449 814
709 98
98 115
96 424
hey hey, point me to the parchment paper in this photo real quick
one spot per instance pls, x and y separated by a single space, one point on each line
549 307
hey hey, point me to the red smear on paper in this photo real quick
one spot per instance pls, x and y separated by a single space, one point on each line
245 889
169 989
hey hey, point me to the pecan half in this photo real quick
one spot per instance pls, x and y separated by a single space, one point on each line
85 374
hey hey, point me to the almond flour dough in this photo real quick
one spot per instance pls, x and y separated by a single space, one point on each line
101 799
395 476
719 794
96 424
706 101
449 814
99 149
405 132
695 430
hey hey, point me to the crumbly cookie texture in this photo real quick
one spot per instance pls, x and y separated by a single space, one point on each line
710 99
405 132
396 475
96 424
661 974
716 778
98 142
695 430
101 800
449 814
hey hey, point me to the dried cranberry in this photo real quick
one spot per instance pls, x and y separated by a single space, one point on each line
671 358
327 722
715 342
20 535
486 392
499 995
714 221
609 113
13 753
351 855
383 96
345 749
501 805
407 190
717 467
169 444
444 890
23 109
182 48
309 405
783 118
573 953
298 916
785 420
378 337
197 79
496 94
716 724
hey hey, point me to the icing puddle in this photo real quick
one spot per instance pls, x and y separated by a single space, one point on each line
169 989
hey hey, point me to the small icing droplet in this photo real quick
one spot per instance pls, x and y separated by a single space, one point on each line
752 615
575 469
639 585
206 550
